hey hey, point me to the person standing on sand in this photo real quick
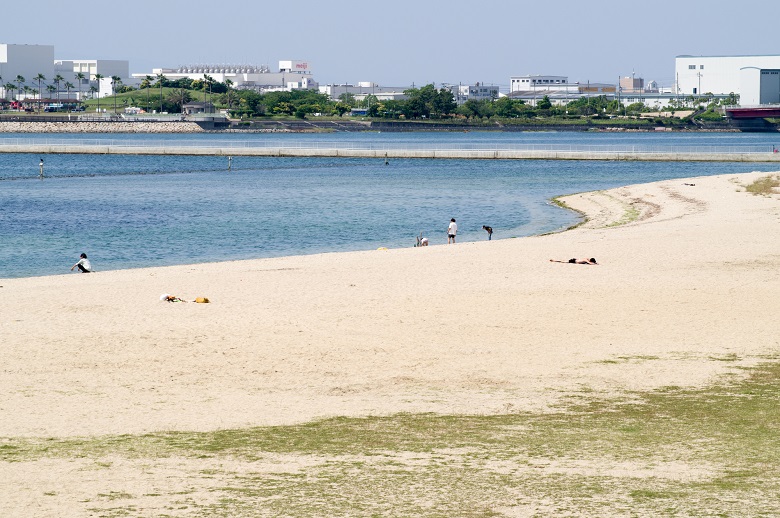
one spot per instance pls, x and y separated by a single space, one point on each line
83 265
489 230
452 230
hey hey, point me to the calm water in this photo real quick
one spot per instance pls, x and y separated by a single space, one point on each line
135 211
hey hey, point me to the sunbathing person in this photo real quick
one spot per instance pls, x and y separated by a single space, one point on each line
592 260
165 297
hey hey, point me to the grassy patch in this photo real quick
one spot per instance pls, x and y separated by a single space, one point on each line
675 451
764 186
630 213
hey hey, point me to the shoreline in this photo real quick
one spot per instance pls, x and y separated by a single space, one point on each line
472 358
467 328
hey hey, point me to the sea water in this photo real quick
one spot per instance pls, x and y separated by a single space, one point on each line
129 211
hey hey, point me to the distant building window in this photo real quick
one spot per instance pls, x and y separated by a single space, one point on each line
701 67
691 67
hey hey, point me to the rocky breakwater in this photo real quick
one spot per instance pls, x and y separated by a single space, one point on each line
99 127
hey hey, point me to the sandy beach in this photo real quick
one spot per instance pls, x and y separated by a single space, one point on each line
688 274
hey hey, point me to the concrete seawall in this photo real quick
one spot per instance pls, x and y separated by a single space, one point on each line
99 127
506 154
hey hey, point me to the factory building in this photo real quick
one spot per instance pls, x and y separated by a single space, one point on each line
291 75
756 79
24 61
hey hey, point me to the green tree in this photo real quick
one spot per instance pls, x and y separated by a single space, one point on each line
160 82
444 102
341 108
369 100
51 89
731 100
473 109
19 80
636 108
98 77
79 77
508 107
348 99
57 80
544 104
147 85
68 88
229 86
40 78
115 82
179 97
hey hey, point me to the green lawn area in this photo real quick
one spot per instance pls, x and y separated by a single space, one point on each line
673 452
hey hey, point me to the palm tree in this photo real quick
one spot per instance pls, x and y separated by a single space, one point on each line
28 91
39 78
10 86
115 81
51 89
68 87
19 81
160 79
92 90
229 84
98 77
148 80
57 80
80 78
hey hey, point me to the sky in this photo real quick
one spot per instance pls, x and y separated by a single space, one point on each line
407 42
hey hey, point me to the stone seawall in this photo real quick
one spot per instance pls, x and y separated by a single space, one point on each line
505 154
99 127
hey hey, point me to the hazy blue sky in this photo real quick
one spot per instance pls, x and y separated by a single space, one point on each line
406 41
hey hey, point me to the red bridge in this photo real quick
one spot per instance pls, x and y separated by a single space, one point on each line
754 112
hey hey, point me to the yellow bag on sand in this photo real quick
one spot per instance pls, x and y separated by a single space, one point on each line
202 300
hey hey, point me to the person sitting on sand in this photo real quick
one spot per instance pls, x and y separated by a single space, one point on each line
592 260
83 265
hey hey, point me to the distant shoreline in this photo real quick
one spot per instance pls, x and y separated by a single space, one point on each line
335 126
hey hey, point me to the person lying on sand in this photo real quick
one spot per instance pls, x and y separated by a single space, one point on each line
576 261
165 297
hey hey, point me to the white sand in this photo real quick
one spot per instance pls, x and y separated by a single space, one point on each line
488 327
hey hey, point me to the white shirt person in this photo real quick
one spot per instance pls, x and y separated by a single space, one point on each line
452 231
83 265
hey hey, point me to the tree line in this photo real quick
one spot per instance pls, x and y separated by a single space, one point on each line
426 102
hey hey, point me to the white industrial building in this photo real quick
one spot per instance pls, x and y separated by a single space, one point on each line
26 61
532 82
756 79
292 75
475 92
90 67
759 86
558 89
363 89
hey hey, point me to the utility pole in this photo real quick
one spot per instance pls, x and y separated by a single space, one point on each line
698 74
